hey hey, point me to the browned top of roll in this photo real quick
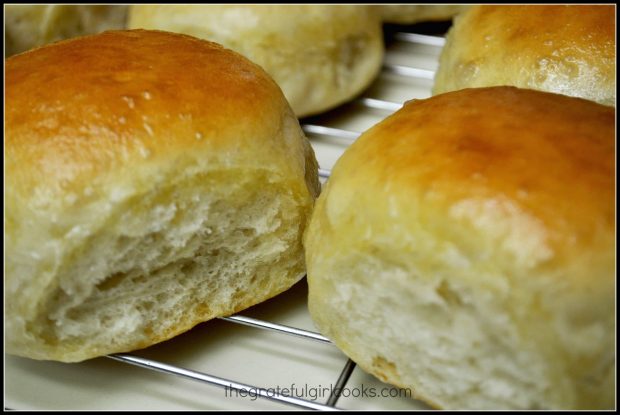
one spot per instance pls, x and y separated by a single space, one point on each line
548 27
541 164
90 104
567 49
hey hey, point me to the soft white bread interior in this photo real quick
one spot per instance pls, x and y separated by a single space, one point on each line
566 49
320 55
414 13
29 25
464 248
153 181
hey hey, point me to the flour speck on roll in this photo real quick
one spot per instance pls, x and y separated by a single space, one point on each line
153 181
465 248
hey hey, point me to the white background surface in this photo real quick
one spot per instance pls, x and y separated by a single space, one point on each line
225 349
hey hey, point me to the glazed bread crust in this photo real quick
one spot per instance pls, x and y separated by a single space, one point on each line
320 55
153 181
568 50
464 248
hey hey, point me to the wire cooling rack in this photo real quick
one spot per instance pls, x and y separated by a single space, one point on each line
266 393
410 63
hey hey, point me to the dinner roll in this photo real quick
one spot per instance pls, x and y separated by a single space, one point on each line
568 50
414 13
153 181
464 248
29 25
320 55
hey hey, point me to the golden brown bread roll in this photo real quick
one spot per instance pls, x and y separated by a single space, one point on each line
568 50
153 181
320 55
30 25
464 248
414 13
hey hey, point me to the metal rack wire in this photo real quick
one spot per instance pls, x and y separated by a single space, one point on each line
229 383
316 130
